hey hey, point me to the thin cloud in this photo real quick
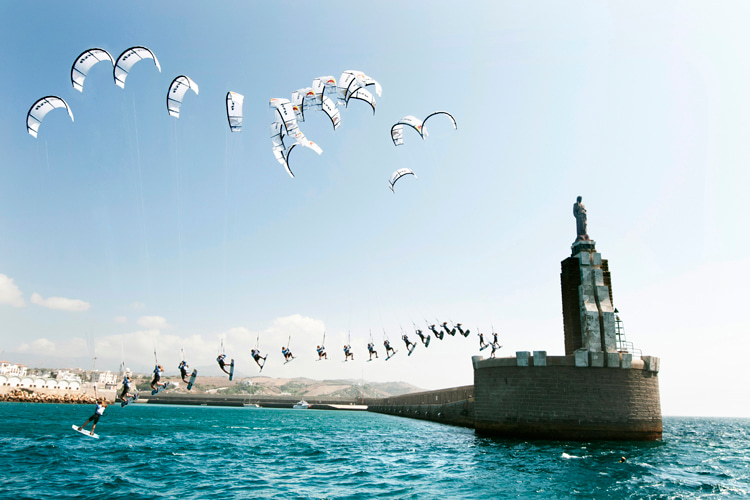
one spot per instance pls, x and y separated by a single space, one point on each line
60 303
9 292
121 319
153 322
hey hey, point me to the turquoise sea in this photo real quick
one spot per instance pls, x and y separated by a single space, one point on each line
152 451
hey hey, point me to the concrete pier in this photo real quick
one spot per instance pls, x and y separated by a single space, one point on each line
448 406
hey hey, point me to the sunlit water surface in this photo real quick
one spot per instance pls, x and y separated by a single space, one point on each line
153 451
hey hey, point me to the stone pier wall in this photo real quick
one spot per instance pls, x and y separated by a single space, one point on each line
453 406
562 399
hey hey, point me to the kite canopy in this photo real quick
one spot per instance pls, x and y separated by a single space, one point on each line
397 131
176 93
39 110
83 64
126 61
234 111
398 174
285 123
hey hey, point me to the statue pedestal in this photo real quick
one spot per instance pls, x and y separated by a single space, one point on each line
582 246
588 314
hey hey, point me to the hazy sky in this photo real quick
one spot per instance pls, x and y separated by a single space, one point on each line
129 230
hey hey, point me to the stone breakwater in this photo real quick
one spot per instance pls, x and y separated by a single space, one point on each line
29 396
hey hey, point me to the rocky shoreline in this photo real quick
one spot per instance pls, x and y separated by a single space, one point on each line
29 396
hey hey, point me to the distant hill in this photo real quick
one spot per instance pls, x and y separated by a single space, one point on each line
299 387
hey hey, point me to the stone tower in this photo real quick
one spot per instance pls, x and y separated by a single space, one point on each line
588 314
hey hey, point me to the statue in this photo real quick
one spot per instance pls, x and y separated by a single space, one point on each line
579 212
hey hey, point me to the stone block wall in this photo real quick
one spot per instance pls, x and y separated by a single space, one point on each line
453 406
562 401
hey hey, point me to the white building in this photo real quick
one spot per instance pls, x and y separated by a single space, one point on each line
106 378
11 370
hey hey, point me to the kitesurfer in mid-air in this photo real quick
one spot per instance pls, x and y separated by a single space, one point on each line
287 353
437 333
448 330
184 371
221 359
482 343
348 352
101 405
408 342
422 337
371 350
322 354
126 386
494 340
388 347
460 330
255 353
158 371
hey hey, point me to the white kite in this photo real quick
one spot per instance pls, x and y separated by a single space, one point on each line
176 93
84 63
306 100
39 110
126 61
286 124
398 174
234 111
397 131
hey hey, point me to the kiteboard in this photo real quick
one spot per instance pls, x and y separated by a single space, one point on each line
289 360
389 357
231 370
159 388
485 346
413 346
125 402
192 379
427 342
85 432
261 366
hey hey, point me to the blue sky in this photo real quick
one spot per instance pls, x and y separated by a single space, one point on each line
167 233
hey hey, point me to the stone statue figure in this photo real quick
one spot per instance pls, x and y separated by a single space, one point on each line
579 212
